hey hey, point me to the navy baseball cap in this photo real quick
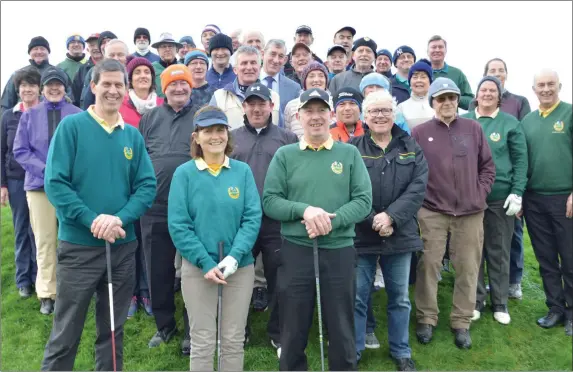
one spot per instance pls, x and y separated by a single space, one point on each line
314 94
258 90
347 28
209 118
303 29
334 48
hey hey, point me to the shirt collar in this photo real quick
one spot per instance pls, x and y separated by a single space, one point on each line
493 114
120 123
264 75
546 113
202 165
443 69
402 80
303 145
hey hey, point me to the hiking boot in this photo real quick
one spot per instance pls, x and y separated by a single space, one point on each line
462 338
500 314
186 345
46 306
371 341
162 336
25 291
424 333
260 301
515 291
277 345
146 302
405 364
480 306
133 305
550 320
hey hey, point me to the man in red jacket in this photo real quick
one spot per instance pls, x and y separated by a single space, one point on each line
461 175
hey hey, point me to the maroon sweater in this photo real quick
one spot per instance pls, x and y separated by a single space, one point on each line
461 166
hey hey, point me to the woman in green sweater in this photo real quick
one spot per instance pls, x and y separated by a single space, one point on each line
509 150
214 199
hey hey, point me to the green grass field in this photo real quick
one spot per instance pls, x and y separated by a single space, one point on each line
521 345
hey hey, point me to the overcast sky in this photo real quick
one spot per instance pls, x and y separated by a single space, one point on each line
527 35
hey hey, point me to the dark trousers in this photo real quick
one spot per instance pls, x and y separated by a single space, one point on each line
269 243
81 271
24 244
297 299
516 255
551 236
159 256
498 230
141 288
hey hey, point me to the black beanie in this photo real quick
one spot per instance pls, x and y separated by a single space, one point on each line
141 31
220 41
105 35
38 41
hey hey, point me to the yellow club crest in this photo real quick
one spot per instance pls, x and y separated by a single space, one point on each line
336 167
495 137
234 192
558 126
128 152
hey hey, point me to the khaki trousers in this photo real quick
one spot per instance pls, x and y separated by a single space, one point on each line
466 245
201 298
45 227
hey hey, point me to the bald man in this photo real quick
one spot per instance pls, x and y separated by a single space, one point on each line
547 202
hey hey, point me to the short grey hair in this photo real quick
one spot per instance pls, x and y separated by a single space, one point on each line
108 65
276 43
380 96
116 41
544 72
246 33
236 33
247 49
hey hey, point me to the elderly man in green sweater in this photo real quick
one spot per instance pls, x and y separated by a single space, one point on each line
100 180
318 189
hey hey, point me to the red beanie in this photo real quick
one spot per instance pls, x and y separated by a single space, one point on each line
135 63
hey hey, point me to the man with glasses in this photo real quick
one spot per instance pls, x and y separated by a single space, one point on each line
167 48
461 175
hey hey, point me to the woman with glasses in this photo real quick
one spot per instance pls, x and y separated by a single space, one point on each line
399 174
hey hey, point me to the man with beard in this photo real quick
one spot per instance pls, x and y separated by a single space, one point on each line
75 57
404 58
364 52
142 39
39 51
167 48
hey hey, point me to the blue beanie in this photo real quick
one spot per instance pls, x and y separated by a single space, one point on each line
384 52
187 40
196 54
374 78
401 50
75 38
422 65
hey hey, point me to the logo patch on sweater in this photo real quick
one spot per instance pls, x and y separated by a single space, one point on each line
558 126
336 167
128 152
233 192
495 137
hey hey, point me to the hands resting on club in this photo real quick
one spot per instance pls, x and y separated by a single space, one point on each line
107 227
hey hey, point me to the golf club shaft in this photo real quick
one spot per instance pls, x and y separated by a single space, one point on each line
219 312
111 312
319 306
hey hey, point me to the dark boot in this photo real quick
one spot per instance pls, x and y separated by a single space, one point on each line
462 338
424 333
550 320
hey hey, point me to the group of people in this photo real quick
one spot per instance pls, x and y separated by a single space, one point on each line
267 151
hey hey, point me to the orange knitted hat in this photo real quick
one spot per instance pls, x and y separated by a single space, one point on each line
174 73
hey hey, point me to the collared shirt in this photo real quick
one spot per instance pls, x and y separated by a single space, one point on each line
402 80
303 145
275 77
493 114
443 69
108 127
546 113
213 169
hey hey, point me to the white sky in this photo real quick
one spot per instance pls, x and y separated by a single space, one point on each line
527 35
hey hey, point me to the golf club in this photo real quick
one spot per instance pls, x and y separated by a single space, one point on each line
111 312
219 312
316 275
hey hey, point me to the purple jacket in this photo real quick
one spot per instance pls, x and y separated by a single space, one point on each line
35 130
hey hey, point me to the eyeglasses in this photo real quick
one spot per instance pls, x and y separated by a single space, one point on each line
449 97
379 112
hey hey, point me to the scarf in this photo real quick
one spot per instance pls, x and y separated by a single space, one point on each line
143 106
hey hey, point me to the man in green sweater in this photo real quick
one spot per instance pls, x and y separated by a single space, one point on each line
318 189
437 49
509 151
547 203
100 180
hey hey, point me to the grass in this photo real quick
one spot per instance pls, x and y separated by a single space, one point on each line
522 345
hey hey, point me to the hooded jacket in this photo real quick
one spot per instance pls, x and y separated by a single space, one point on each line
33 137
